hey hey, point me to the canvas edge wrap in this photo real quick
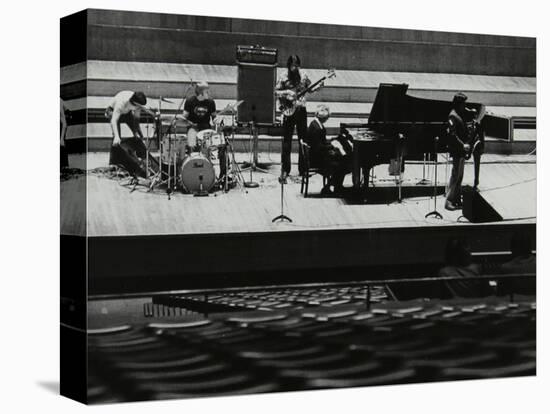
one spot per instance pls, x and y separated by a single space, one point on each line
73 247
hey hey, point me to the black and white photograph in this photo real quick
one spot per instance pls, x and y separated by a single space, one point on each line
257 206
286 206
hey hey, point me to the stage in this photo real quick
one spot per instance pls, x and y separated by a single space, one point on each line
158 242
508 182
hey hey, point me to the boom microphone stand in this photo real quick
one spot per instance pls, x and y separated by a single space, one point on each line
435 213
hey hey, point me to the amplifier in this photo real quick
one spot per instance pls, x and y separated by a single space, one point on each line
256 77
256 87
476 209
256 54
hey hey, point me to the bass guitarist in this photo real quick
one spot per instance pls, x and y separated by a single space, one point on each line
288 86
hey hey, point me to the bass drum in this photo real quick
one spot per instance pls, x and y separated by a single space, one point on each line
197 174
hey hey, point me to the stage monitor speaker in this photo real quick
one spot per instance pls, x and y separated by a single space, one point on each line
256 87
476 209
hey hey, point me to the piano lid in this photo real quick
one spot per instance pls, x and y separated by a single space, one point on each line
392 105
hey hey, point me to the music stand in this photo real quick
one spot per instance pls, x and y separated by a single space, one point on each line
435 213
252 166
424 180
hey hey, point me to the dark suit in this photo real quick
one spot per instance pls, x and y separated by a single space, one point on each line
458 136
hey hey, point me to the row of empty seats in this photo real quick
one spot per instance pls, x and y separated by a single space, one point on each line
313 343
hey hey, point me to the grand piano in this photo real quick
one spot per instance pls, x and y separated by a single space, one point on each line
400 127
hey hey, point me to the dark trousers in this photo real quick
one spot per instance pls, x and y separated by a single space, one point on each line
63 156
345 166
454 192
477 165
128 118
333 164
299 120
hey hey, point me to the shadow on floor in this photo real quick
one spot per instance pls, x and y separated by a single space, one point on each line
51 386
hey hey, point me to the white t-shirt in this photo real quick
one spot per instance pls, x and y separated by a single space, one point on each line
121 103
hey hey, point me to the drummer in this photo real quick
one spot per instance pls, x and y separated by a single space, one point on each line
200 111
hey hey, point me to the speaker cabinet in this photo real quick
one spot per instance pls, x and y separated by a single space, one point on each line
256 87
476 209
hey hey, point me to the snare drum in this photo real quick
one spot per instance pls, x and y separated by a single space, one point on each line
197 174
216 140
204 138
208 142
173 148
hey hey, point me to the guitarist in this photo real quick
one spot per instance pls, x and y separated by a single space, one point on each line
288 85
477 141
461 142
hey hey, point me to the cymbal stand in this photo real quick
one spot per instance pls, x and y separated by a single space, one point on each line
158 176
149 159
147 154
435 213
236 172
400 166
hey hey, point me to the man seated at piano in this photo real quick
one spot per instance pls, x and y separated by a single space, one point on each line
334 157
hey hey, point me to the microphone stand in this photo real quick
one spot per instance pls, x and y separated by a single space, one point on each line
253 135
435 213
282 216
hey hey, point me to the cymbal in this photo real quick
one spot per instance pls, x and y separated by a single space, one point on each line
165 100
230 109
168 119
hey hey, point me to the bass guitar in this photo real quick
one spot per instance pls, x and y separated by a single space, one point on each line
289 102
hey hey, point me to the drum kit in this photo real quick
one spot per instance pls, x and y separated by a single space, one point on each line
186 157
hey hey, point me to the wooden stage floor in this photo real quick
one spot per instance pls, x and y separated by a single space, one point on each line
507 182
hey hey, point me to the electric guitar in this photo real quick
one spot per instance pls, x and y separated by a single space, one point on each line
474 131
474 138
288 103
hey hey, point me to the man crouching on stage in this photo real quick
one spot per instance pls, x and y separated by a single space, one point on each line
334 157
126 106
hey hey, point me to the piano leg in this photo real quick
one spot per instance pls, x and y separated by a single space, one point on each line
356 170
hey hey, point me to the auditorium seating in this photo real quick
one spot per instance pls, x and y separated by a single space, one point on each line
322 338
